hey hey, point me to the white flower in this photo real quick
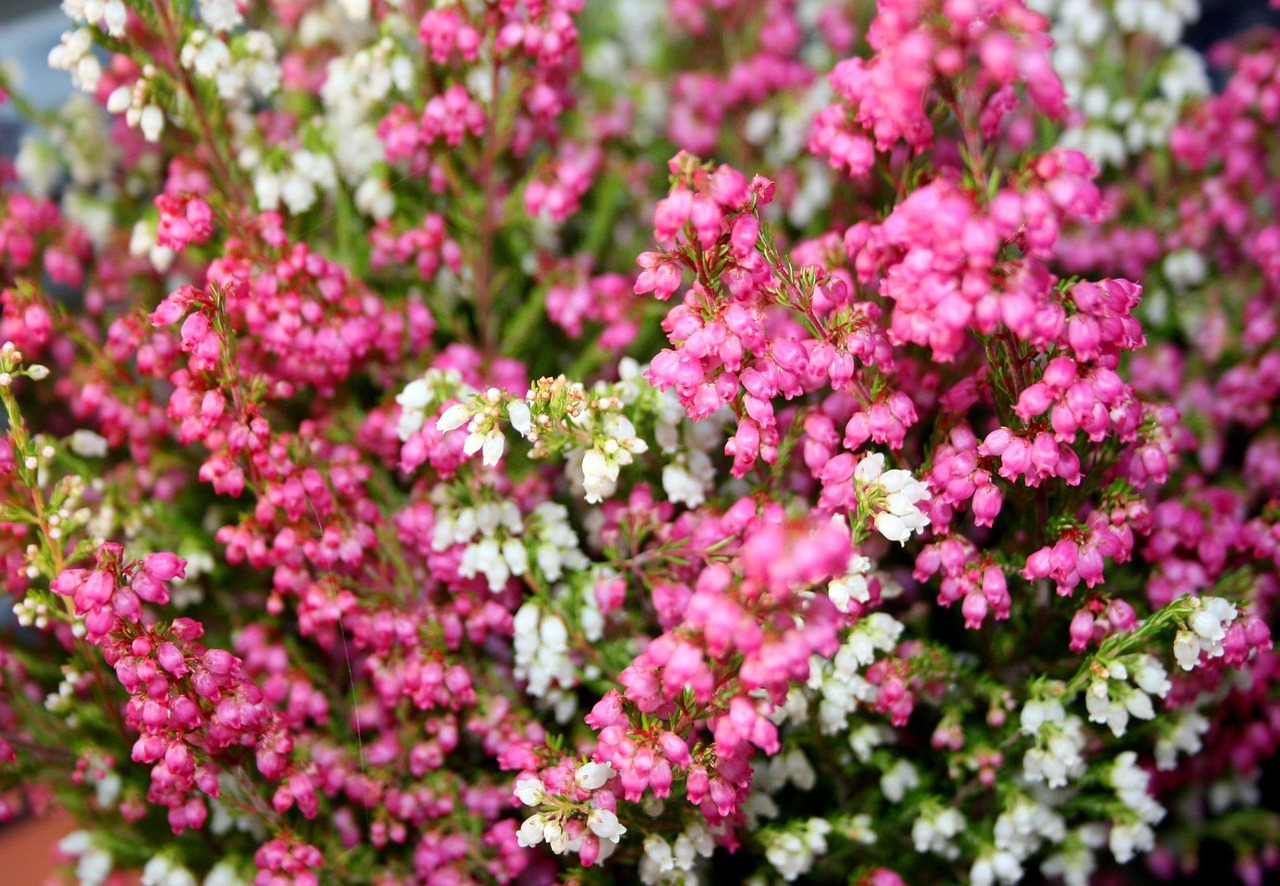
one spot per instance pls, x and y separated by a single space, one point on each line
1151 676
681 487
1186 650
517 557
298 192
115 17
93 864
532 831
220 15
416 394
869 467
494 444
605 825
161 871
657 853
593 775
473 443
1037 712
1183 736
852 586
898 780
892 527
530 791
1126 837
120 99
599 476
1138 703
792 854
1207 626
895 495
1184 268
934 830
224 874
521 419
452 418
151 123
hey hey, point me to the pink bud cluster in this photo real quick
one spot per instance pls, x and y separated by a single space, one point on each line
575 296
428 246
922 43
761 620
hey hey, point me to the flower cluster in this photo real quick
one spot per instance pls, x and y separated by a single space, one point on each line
414 474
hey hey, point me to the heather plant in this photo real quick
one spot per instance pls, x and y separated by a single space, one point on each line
528 441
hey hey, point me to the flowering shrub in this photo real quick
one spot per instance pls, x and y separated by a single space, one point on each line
514 441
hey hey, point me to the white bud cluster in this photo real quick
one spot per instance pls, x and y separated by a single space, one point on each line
1184 268
838 684
93 862
110 15
1234 789
549 826
1057 755
1118 120
142 244
63 699
1075 861
205 55
898 779
251 69
1205 630
355 92
792 852
79 142
852 586
866 738
1182 733
1111 700
299 186
893 497
935 830
789 767
689 474
995 866
137 104
31 613
38 165
542 657
224 874
161 870
220 15
74 54
106 782
491 531
615 447
1024 825
1131 782
674 862
87 444
482 417
421 396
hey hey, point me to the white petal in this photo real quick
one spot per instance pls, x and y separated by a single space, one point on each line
453 418
521 420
